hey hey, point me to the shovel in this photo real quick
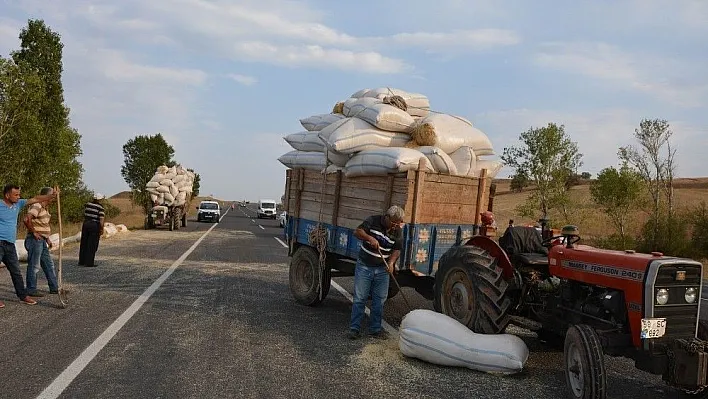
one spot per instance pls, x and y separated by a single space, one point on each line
395 281
62 292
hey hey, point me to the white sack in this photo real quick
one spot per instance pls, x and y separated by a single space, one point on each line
465 161
418 104
493 167
187 189
382 161
351 135
54 239
361 93
453 132
181 196
305 141
383 116
109 230
167 182
168 199
436 338
179 178
338 158
153 197
122 228
440 160
316 123
152 184
305 160
174 191
163 189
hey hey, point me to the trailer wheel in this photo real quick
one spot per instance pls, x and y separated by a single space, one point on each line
304 277
184 220
584 363
470 288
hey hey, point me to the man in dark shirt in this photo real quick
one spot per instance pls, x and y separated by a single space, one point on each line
380 235
91 231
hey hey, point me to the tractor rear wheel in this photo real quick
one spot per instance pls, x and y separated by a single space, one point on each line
470 288
584 363
305 276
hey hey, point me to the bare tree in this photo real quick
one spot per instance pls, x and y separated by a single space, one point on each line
654 164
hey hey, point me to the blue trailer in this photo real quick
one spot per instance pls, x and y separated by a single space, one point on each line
442 212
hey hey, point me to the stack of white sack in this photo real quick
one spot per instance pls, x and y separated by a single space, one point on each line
439 339
170 186
387 130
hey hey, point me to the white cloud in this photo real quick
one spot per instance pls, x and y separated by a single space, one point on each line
598 134
472 40
318 57
665 79
243 79
115 66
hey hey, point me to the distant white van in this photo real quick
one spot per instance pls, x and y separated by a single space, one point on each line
267 209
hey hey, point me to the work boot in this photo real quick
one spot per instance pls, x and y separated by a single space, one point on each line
2 304
353 334
28 301
35 294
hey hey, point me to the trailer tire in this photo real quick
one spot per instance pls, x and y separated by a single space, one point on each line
184 220
304 277
583 353
470 288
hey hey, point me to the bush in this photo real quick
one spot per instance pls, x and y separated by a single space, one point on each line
699 230
615 241
672 238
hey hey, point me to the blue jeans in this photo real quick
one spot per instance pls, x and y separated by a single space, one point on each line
38 255
369 281
8 256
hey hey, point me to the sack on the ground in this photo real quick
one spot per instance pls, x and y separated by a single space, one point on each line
439 339
382 161
440 160
383 116
305 141
304 159
316 123
351 135
449 133
417 104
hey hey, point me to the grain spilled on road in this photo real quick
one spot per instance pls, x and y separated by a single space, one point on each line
383 356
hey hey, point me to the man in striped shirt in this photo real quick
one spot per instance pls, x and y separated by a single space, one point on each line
381 240
37 244
91 231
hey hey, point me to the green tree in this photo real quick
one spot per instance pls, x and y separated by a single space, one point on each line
52 151
196 184
519 182
585 175
618 192
142 156
654 161
549 158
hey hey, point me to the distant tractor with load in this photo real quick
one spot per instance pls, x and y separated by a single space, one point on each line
170 195
593 302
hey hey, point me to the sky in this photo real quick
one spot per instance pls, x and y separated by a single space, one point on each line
225 81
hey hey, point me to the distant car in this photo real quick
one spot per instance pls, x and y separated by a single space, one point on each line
283 218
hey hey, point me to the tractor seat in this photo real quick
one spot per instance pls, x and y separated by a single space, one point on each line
531 259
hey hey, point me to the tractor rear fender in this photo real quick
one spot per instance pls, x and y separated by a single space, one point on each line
495 251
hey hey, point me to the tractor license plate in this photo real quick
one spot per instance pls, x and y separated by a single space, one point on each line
653 328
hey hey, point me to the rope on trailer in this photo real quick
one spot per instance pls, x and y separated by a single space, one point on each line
318 236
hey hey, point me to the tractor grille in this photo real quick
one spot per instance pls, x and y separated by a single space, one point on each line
681 317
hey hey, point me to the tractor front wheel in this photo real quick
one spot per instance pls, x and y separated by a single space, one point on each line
584 363
309 284
470 288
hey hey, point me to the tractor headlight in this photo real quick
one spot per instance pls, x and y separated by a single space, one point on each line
690 295
662 296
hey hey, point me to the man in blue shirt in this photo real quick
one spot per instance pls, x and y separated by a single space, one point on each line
10 208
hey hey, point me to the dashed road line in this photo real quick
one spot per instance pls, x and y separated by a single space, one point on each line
262 228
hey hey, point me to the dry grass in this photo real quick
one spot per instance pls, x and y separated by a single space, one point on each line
592 222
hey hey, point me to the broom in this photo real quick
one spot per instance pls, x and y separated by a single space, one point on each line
62 293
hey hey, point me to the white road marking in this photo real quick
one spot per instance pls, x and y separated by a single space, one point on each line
349 296
74 369
262 228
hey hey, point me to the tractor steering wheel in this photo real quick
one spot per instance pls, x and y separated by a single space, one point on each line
570 240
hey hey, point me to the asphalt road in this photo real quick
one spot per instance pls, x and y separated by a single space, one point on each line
165 315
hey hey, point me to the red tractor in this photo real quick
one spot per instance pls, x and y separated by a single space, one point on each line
594 302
